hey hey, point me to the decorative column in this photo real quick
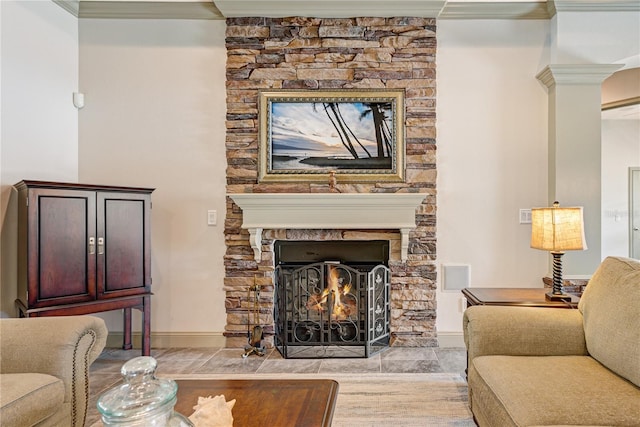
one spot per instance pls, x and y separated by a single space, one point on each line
575 149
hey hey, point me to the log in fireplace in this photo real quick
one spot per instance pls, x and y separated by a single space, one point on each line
331 298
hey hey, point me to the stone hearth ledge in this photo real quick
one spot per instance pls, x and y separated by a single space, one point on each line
332 211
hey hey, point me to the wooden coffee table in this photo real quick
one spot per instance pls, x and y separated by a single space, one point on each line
300 403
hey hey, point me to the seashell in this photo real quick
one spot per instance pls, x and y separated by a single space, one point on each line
213 412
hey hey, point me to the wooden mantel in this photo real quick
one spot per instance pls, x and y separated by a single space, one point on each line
327 211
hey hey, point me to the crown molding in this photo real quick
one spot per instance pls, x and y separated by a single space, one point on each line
147 9
330 8
495 10
441 9
593 6
621 103
71 6
576 74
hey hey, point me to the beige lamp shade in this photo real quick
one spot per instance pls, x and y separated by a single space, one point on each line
557 229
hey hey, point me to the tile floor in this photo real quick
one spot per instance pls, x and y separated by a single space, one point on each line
105 371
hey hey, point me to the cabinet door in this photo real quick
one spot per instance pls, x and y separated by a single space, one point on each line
61 266
124 244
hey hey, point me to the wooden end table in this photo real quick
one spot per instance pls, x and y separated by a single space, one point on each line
519 297
300 403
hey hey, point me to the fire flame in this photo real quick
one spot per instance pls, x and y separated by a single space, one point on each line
341 309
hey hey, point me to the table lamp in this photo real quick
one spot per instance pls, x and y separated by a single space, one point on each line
557 230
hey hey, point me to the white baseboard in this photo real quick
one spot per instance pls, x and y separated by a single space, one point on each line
450 339
212 339
171 339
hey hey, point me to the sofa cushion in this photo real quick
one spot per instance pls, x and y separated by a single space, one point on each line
551 390
27 399
611 309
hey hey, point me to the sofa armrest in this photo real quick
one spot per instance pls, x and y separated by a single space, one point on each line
63 346
523 331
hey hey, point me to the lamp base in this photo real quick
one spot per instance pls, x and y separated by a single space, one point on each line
550 296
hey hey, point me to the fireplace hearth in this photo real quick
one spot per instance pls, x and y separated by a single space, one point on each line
331 298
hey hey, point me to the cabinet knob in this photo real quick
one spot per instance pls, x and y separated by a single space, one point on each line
92 245
100 245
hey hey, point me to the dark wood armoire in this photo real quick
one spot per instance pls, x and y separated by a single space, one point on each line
84 249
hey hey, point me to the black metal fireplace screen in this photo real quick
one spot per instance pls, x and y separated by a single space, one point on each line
329 309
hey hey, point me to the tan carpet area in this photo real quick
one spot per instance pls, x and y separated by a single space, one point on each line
382 399
400 387
403 400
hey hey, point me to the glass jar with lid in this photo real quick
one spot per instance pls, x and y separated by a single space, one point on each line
142 400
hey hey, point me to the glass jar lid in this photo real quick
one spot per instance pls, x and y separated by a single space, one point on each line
141 395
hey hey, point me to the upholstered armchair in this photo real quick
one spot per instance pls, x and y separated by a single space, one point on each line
533 366
44 369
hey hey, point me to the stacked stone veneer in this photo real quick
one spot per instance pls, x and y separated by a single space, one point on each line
311 54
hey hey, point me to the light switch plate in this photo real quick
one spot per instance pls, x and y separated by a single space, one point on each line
212 217
525 216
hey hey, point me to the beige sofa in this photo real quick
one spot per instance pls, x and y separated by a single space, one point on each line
548 366
44 369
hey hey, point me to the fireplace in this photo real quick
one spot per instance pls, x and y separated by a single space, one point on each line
341 221
331 298
328 53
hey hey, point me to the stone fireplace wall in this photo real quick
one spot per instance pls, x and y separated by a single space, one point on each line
320 53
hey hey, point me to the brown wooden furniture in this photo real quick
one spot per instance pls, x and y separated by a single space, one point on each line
300 403
84 249
522 297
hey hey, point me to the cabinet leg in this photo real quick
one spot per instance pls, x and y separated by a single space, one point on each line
146 326
126 342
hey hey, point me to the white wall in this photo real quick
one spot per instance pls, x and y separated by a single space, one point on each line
492 154
596 37
621 150
39 131
588 38
492 136
155 117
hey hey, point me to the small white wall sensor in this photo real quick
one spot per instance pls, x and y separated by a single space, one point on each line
78 100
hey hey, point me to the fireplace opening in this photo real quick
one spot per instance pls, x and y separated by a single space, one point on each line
331 298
